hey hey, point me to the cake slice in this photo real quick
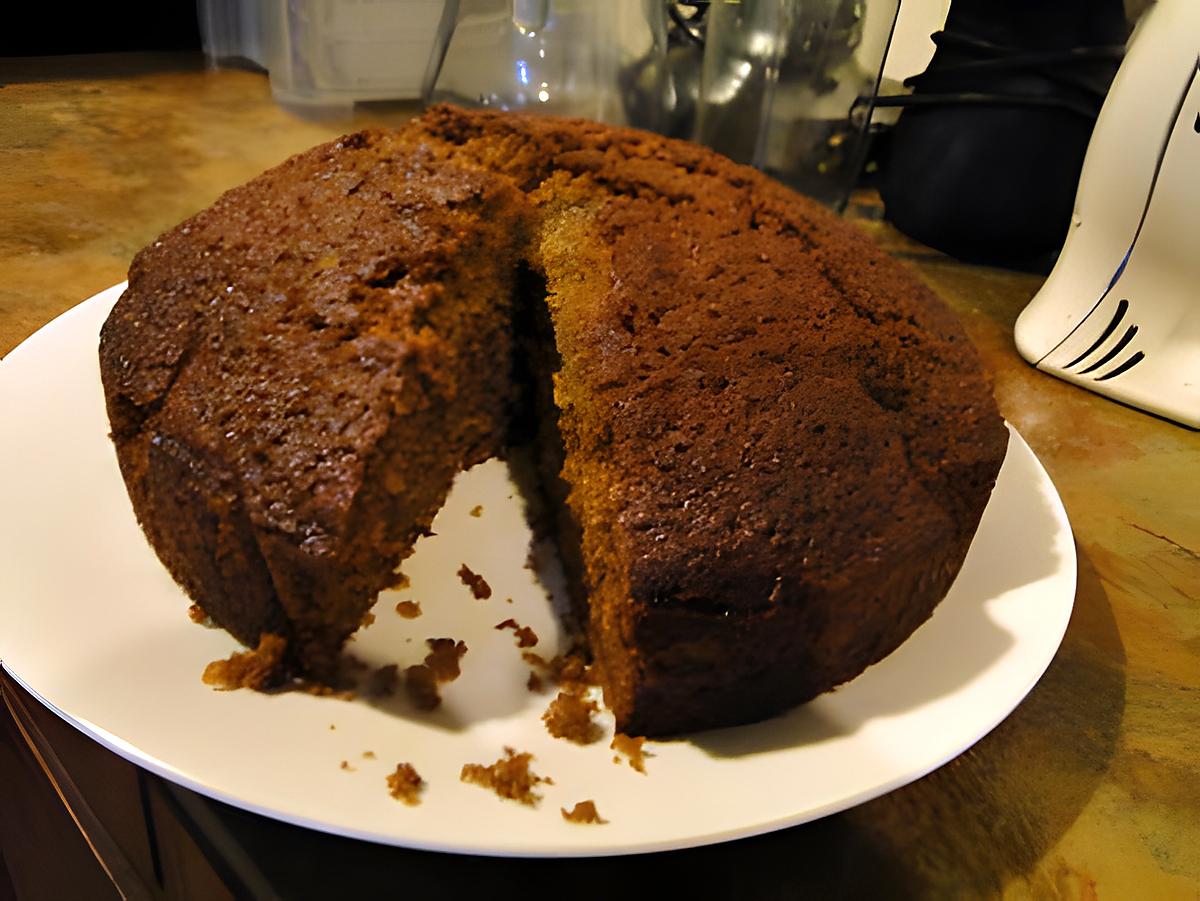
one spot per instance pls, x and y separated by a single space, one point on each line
295 376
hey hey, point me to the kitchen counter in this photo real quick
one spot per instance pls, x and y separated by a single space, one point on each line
1090 788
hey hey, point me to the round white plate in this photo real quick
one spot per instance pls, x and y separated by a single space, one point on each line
92 624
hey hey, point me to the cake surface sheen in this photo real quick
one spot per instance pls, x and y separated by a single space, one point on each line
768 443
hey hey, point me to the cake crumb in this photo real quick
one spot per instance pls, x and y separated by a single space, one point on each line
632 748
383 681
346 766
266 669
441 665
320 690
477 511
400 582
408 609
197 615
478 585
405 784
509 777
526 637
534 682
569 670
332 727
422 687
443 658
259 669
368 755
339 680
569 716
583 812
508 600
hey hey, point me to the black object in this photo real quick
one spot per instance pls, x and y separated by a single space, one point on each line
48 29
985 159
665 101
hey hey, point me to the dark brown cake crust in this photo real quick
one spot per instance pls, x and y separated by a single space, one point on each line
295 375
778 443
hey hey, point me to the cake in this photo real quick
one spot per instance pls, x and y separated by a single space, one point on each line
767 443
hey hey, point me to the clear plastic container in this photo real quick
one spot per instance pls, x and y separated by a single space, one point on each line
327 53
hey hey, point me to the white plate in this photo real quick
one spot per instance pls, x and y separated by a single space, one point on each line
92 624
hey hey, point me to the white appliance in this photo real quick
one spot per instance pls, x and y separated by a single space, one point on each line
1120 313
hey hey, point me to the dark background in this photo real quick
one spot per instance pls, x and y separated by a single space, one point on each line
45 28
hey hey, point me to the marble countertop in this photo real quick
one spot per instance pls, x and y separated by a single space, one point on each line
1091 788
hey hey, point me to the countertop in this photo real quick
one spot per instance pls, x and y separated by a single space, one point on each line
1091 788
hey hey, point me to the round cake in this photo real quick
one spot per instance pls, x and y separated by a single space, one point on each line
767 444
